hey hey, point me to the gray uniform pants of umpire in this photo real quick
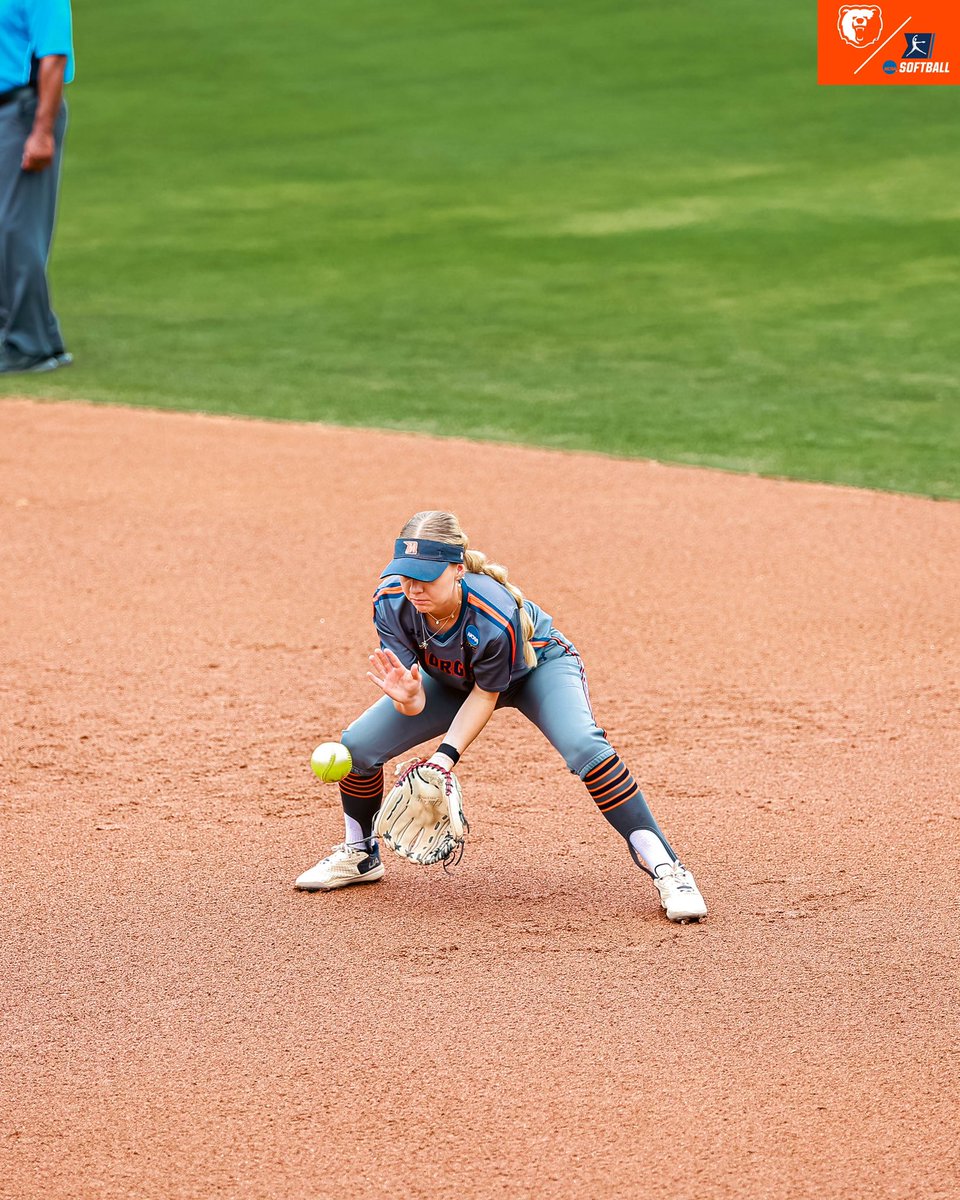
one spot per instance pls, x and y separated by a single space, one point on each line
28 209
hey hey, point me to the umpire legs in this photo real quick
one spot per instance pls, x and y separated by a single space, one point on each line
28 202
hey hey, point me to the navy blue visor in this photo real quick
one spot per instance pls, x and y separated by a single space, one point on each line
419 559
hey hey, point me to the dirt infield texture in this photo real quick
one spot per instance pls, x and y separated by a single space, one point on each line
185 614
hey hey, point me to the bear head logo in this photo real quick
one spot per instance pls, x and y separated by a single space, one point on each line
860 25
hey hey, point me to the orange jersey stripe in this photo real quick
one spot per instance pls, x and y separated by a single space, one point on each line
396 590
497 618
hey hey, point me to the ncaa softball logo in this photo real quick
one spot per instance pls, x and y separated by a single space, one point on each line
472 634
860 25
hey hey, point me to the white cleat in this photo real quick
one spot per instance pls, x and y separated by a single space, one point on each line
342 867
679 894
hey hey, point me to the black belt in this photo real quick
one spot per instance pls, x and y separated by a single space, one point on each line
14 94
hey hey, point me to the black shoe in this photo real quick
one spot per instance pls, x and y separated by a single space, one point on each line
12 362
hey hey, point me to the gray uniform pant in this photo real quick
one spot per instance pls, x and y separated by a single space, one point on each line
28 206
553 697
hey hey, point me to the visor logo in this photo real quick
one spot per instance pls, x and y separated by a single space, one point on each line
412 548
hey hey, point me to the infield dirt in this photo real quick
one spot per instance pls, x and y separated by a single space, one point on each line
186 613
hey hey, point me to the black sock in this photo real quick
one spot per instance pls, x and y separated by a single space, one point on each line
361 797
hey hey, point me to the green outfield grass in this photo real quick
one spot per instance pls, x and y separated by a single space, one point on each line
630 227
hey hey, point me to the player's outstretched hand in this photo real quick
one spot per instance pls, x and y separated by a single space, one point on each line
393 678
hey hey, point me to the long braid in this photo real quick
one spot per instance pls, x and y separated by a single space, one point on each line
444 527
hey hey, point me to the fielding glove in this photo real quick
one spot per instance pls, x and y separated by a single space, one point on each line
422 816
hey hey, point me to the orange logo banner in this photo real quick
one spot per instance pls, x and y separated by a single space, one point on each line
900 42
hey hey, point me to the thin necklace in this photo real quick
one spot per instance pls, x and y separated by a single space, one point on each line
428 638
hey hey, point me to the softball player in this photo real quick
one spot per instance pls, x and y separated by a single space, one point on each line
457 641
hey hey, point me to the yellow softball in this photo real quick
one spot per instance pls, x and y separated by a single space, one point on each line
330 761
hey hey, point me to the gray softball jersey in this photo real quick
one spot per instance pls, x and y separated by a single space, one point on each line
485 645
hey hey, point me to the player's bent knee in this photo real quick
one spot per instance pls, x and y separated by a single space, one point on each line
364 756
587 752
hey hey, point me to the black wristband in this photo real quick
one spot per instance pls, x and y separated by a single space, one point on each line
449 751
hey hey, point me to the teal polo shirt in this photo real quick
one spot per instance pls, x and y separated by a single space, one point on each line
32 28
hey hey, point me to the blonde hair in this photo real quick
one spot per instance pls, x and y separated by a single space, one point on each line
439 526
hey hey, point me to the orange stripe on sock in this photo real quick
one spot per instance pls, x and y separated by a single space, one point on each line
610 807
601 786
624 788
608 764
610 793
362 786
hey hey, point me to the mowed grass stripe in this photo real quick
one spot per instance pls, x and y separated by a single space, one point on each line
624 228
